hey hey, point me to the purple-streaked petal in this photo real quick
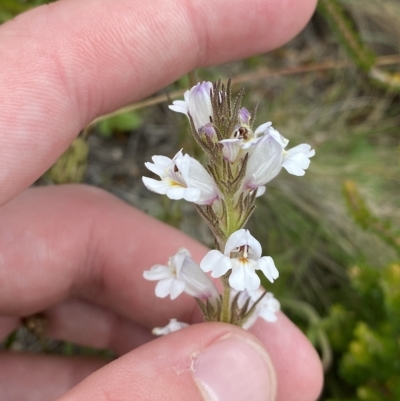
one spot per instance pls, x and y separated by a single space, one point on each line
209 131
199 104
244 116
231 148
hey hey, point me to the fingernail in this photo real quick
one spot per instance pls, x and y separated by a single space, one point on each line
235 368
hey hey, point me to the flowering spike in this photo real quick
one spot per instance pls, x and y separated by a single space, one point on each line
241 162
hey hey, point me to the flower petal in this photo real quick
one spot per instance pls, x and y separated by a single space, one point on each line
244 116
264 163
231 148
196 176
197 103
260 191
160 187
235 240
172 326
267 266
197 283
163 287
216 262
297 159
243 276
177 192
177 287
179 106
240 238
158 272
263 129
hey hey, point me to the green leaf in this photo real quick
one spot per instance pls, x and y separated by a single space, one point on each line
122 122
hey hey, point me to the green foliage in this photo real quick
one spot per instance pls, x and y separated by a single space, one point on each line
367 220
365 327
71 166
349 37
346 32
11 8
121 122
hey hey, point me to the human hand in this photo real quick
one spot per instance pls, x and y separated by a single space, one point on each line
76 253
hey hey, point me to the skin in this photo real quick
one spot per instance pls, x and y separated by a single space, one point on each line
77 253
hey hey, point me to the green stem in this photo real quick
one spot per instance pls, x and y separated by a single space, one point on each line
231 217
225 310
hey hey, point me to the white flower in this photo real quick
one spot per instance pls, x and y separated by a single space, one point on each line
182 178
268 156
264 164
173 325
242 254
182 274
197 103
196 177
266 308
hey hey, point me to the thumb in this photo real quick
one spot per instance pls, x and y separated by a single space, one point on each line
211 361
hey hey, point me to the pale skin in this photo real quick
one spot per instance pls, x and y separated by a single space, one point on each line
76 253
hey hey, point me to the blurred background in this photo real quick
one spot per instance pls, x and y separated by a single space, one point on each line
334 233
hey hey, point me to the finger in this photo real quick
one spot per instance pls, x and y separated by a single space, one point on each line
41 378
298 366
95 265
66 63
202 362
76 241
288 349
84 323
